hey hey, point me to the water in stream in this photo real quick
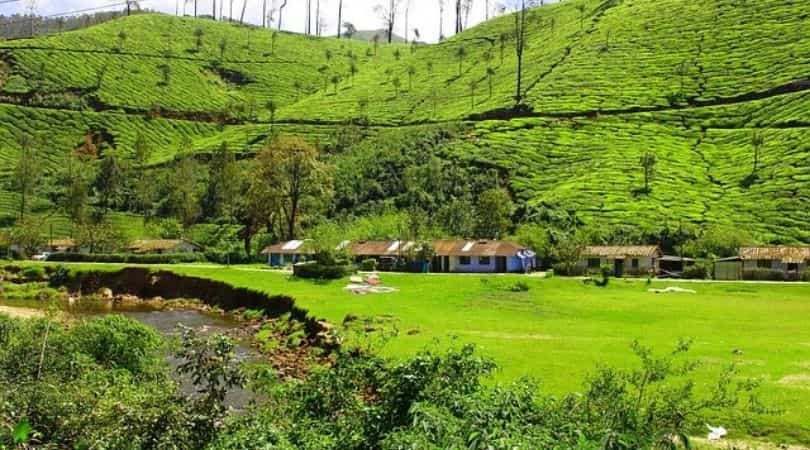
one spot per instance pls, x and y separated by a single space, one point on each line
166 323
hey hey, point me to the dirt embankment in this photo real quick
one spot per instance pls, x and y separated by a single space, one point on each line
144 283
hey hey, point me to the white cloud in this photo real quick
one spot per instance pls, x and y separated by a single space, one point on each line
424 14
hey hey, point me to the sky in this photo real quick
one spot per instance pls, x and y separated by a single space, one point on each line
424 14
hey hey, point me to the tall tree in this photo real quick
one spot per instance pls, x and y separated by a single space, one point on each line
108 185
223 189
494 212
143 188
295 181
521 23
183 197
280 12
340 17
388 14
74 196
27 170
441 19
648 161
407 17
458 15
461 53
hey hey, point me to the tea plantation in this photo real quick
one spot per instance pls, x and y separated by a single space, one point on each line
603 82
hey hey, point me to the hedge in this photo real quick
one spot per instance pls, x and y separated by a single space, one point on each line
167 258
320 271
764 275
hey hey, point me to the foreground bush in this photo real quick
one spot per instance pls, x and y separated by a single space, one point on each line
317 271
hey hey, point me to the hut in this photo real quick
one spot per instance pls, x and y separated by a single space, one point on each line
625 260
482 256
388 254
728 269
792 261
288 252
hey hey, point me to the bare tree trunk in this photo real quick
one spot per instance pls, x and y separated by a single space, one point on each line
458 16
317 17
280 11
242 16
264 13
340 17
441 19
407 13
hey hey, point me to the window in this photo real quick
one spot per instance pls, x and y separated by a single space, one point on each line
594 263
484 260
464 260
764 263
793 267
634 263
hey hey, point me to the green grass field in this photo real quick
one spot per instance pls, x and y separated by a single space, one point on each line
561 329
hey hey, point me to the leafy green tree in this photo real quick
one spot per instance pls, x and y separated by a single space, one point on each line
376 40
27 170
396 82
108 185
273 40
397 54
272 107
223 185
122 38
473 87
411 73
223 46
490 76
328 55
27 234
461 53
100 237
182 191
75 194
198 39
503 38
353 70
648 162
429 67
335 82
494 213
295 181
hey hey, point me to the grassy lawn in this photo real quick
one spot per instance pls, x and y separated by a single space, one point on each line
561 329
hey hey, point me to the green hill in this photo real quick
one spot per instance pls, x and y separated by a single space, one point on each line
604 81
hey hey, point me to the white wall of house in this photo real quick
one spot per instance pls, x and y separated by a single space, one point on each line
776 264
645 263
477 264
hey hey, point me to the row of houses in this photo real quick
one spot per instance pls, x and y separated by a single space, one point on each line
639 260
449 256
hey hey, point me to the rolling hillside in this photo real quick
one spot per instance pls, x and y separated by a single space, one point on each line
604 81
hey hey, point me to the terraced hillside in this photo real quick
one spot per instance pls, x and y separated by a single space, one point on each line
604 81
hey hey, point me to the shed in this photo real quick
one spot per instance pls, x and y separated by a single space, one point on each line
793 261
728 269
288 252
624 259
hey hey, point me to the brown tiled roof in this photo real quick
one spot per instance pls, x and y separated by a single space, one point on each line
476 248
289 248
784 254
615 251
151 245
380 248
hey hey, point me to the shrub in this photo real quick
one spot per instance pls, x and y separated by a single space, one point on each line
806 275
568 270
519 286
59 276
605 272
368 265
167 258
696 271
253 314
764 274
33 273
317 271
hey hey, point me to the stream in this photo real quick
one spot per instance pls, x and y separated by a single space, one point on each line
166 322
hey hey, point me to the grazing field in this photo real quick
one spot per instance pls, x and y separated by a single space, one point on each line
560 329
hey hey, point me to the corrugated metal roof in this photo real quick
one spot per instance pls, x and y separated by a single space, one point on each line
476 248
295 247
785 254
615 251
380 248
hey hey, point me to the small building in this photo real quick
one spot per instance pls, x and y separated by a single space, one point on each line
674 265
625 260
793 261
728 269
162 246
380 249
288 252
482 256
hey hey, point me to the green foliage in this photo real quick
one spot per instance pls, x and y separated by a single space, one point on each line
33 273
318 271
697 271
167 258
764 274
368 265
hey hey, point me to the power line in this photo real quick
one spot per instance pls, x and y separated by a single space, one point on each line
68 13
